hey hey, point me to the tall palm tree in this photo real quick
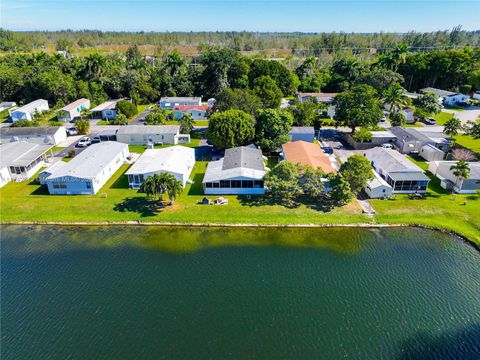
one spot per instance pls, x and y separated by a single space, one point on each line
461 170
149 186
94 64
173 62
395 96
174 188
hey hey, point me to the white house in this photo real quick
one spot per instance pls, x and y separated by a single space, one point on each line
476 95
197 112
152 135
240 171
411 140
20 160
175 160
431 153
51 135
441 169
305 133
409 114
325 98
26 112
378 188
168 103
7 105
73 110
87 172
106 110
401 174
456 99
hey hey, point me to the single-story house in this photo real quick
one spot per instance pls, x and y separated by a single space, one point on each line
409 114
168 103
26 112
106 135
106 110
152 135
456 99
378 188
431 153
51 135
87 172
197 112
412 140
7 105
175 160
240 171
307 154
401 174
20 160
73 110
476 95
378 138
305 133
325 98
439 92
441 169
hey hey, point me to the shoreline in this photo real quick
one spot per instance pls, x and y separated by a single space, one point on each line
239 225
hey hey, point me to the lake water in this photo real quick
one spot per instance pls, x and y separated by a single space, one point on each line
125 292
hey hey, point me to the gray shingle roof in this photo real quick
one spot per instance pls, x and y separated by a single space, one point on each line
19 131
243 156
302 130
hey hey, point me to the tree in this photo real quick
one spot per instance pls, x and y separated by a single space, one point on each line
230 128
186 124
358 107
395 97
286 80
397 119
63 45
428 102
126 108
312 181
156 117
452 126
267 90
340 190
474 79
282 182
357 170
473 129
120 119
134 57
239 99
305 113
363 135
272 128
155 185
461 170
83 126
173 187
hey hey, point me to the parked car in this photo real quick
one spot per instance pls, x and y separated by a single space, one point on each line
430 121
96 140
84 142
72 131
327 150
383 118
387 146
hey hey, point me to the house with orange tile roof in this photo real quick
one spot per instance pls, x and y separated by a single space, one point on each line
198 112
307 154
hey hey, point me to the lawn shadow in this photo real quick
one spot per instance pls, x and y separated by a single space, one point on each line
139 204
40 190
120 183
321 205
196 188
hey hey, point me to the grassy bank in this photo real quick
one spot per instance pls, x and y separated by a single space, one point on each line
115 202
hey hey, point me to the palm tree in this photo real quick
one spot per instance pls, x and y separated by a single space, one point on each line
395 96
149 186
94 64
452 126
461 170
399 55
173 62
174 188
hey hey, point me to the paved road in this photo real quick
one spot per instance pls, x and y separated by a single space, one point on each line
139 120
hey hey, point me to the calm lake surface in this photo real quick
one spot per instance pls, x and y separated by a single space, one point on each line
125 292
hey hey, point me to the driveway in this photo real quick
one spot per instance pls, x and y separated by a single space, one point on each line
139 120
467 115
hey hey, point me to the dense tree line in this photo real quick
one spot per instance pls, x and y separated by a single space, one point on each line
303 44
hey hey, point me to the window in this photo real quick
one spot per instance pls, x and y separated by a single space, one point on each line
236 184
57 185
216 185
208 185
89 185
258 184
225 183
247 184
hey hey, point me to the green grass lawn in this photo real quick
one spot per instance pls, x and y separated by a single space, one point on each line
417 124
442 117
469 142
4 115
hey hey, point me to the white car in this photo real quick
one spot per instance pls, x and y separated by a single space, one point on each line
84 142
387 146
72 131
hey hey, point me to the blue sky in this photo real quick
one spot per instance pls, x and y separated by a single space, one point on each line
250 15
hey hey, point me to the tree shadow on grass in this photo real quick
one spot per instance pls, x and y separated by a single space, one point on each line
322 205
141 205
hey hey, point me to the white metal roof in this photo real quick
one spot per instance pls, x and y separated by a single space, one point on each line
90 162
390 160
31 107
174 159
215 172
377 181
148 129
21 153
107 105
